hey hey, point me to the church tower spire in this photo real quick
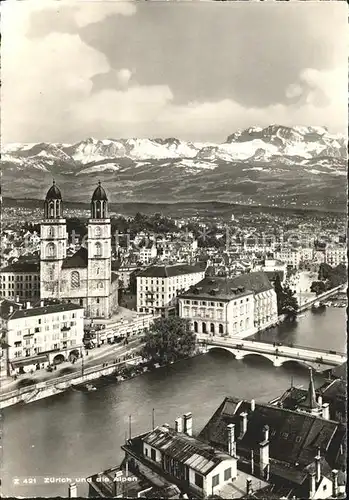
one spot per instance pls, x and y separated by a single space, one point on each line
53 245
99 203
310 404
99 256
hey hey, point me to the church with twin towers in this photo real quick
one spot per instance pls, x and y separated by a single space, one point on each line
84 278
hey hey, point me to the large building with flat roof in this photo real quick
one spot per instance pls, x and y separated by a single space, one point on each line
237 306
37 336
158 286
20 281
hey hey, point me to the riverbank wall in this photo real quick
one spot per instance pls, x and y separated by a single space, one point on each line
309 303
50 388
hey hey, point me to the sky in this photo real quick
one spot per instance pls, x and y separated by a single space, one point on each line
197 71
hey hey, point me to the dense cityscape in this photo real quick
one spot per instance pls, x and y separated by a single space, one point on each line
89 302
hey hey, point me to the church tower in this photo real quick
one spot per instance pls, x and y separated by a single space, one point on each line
99 257
53 246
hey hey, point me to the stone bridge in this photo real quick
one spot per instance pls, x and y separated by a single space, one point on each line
318 359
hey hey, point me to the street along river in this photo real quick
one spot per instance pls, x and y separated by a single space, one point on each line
75 434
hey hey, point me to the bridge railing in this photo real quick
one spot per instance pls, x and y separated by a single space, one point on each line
277 344
298 346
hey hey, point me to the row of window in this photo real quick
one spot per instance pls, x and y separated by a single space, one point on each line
51 251
18 286
203 313
177 279
29 351
204 303
19 277
28 294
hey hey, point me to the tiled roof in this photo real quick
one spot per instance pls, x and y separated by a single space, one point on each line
169 271
215 287
38 311
294 436
186 449
334 390
257 282
340 371
22 267
229 288
79 259
272 274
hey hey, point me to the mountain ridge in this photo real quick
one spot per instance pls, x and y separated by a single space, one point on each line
254 164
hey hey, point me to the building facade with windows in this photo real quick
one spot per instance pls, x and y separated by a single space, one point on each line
38 336
84 278
290 256
158 286
169 462
214 307
239 306
336 255
20 281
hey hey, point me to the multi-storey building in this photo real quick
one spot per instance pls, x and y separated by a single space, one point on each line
290 256
38 336
168 462
302 453
336 255
273 268
327 401
20 281
148 253
214 307
158 286
236 307
85 277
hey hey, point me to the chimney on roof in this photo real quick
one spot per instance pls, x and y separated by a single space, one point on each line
335 488
28 305
318 467
264 463
253 405
179 424
42 303
188 423
319 400
312 484
231 440
11 310
17 298
266 433
326 411
248 486
243 428
73 490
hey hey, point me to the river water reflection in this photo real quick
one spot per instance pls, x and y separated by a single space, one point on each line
75 434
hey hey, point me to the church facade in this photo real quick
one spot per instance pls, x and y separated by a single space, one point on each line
84 278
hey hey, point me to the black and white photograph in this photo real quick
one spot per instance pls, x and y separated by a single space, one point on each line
174 265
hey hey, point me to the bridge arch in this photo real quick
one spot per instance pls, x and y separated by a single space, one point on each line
242 354
302 363
260 355
220 348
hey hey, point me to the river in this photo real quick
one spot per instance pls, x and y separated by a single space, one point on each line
75 434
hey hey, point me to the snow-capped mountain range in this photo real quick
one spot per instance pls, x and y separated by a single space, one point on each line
132 163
